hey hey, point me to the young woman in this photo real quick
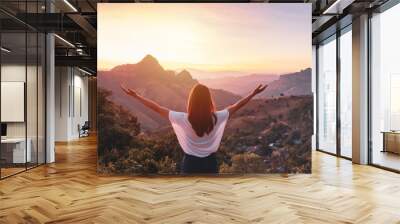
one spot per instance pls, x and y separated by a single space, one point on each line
200 130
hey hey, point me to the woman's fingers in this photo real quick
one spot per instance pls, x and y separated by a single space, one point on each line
260 88
127 90
132 92
264 87
124 89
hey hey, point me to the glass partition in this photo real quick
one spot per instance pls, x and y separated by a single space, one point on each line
31 99
346 93
41 96
22 77
14 153
327 96
385 89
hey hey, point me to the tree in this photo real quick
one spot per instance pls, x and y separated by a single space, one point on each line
117 127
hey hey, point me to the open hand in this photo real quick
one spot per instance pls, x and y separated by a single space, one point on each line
128 91
259 89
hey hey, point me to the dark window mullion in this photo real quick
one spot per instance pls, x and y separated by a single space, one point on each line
37 91
0 97
26 87
338 75
369 91
317 96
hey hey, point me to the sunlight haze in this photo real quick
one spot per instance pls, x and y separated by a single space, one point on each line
249 38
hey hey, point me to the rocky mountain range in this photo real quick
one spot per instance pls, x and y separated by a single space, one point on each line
171 89
292 84
150 79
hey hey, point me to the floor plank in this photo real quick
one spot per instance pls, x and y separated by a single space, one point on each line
70 191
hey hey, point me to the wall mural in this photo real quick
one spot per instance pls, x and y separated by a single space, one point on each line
204 88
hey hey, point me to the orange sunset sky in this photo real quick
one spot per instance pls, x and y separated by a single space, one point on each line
251 38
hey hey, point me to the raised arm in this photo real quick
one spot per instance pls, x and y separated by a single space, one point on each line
148 103
233 108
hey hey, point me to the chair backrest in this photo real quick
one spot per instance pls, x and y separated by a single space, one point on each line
86 124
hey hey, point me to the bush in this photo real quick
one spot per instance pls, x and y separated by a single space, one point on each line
248 163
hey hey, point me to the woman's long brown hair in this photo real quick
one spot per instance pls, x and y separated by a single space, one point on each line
201 110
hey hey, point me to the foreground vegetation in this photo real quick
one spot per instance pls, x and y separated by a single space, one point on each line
268 136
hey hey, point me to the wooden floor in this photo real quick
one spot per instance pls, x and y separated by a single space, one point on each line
5 172
387 159
70 191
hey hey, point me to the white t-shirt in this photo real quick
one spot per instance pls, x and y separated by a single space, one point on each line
190 142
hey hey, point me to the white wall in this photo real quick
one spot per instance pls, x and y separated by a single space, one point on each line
80 110
61 103
71 94
16 73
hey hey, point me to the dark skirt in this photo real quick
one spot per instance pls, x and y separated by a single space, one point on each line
197 165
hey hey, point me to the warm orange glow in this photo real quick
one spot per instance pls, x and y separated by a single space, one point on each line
211 37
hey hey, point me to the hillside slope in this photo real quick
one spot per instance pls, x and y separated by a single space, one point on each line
151 80
292 84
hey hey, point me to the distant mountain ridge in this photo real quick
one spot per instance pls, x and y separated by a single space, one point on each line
150 79
239 85
202 74
292 84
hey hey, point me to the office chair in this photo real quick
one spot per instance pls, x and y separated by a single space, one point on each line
84 130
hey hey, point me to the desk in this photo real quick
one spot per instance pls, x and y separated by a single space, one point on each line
391 141
13 150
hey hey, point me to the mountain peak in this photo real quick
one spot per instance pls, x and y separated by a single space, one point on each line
184 74
148 66
149 60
